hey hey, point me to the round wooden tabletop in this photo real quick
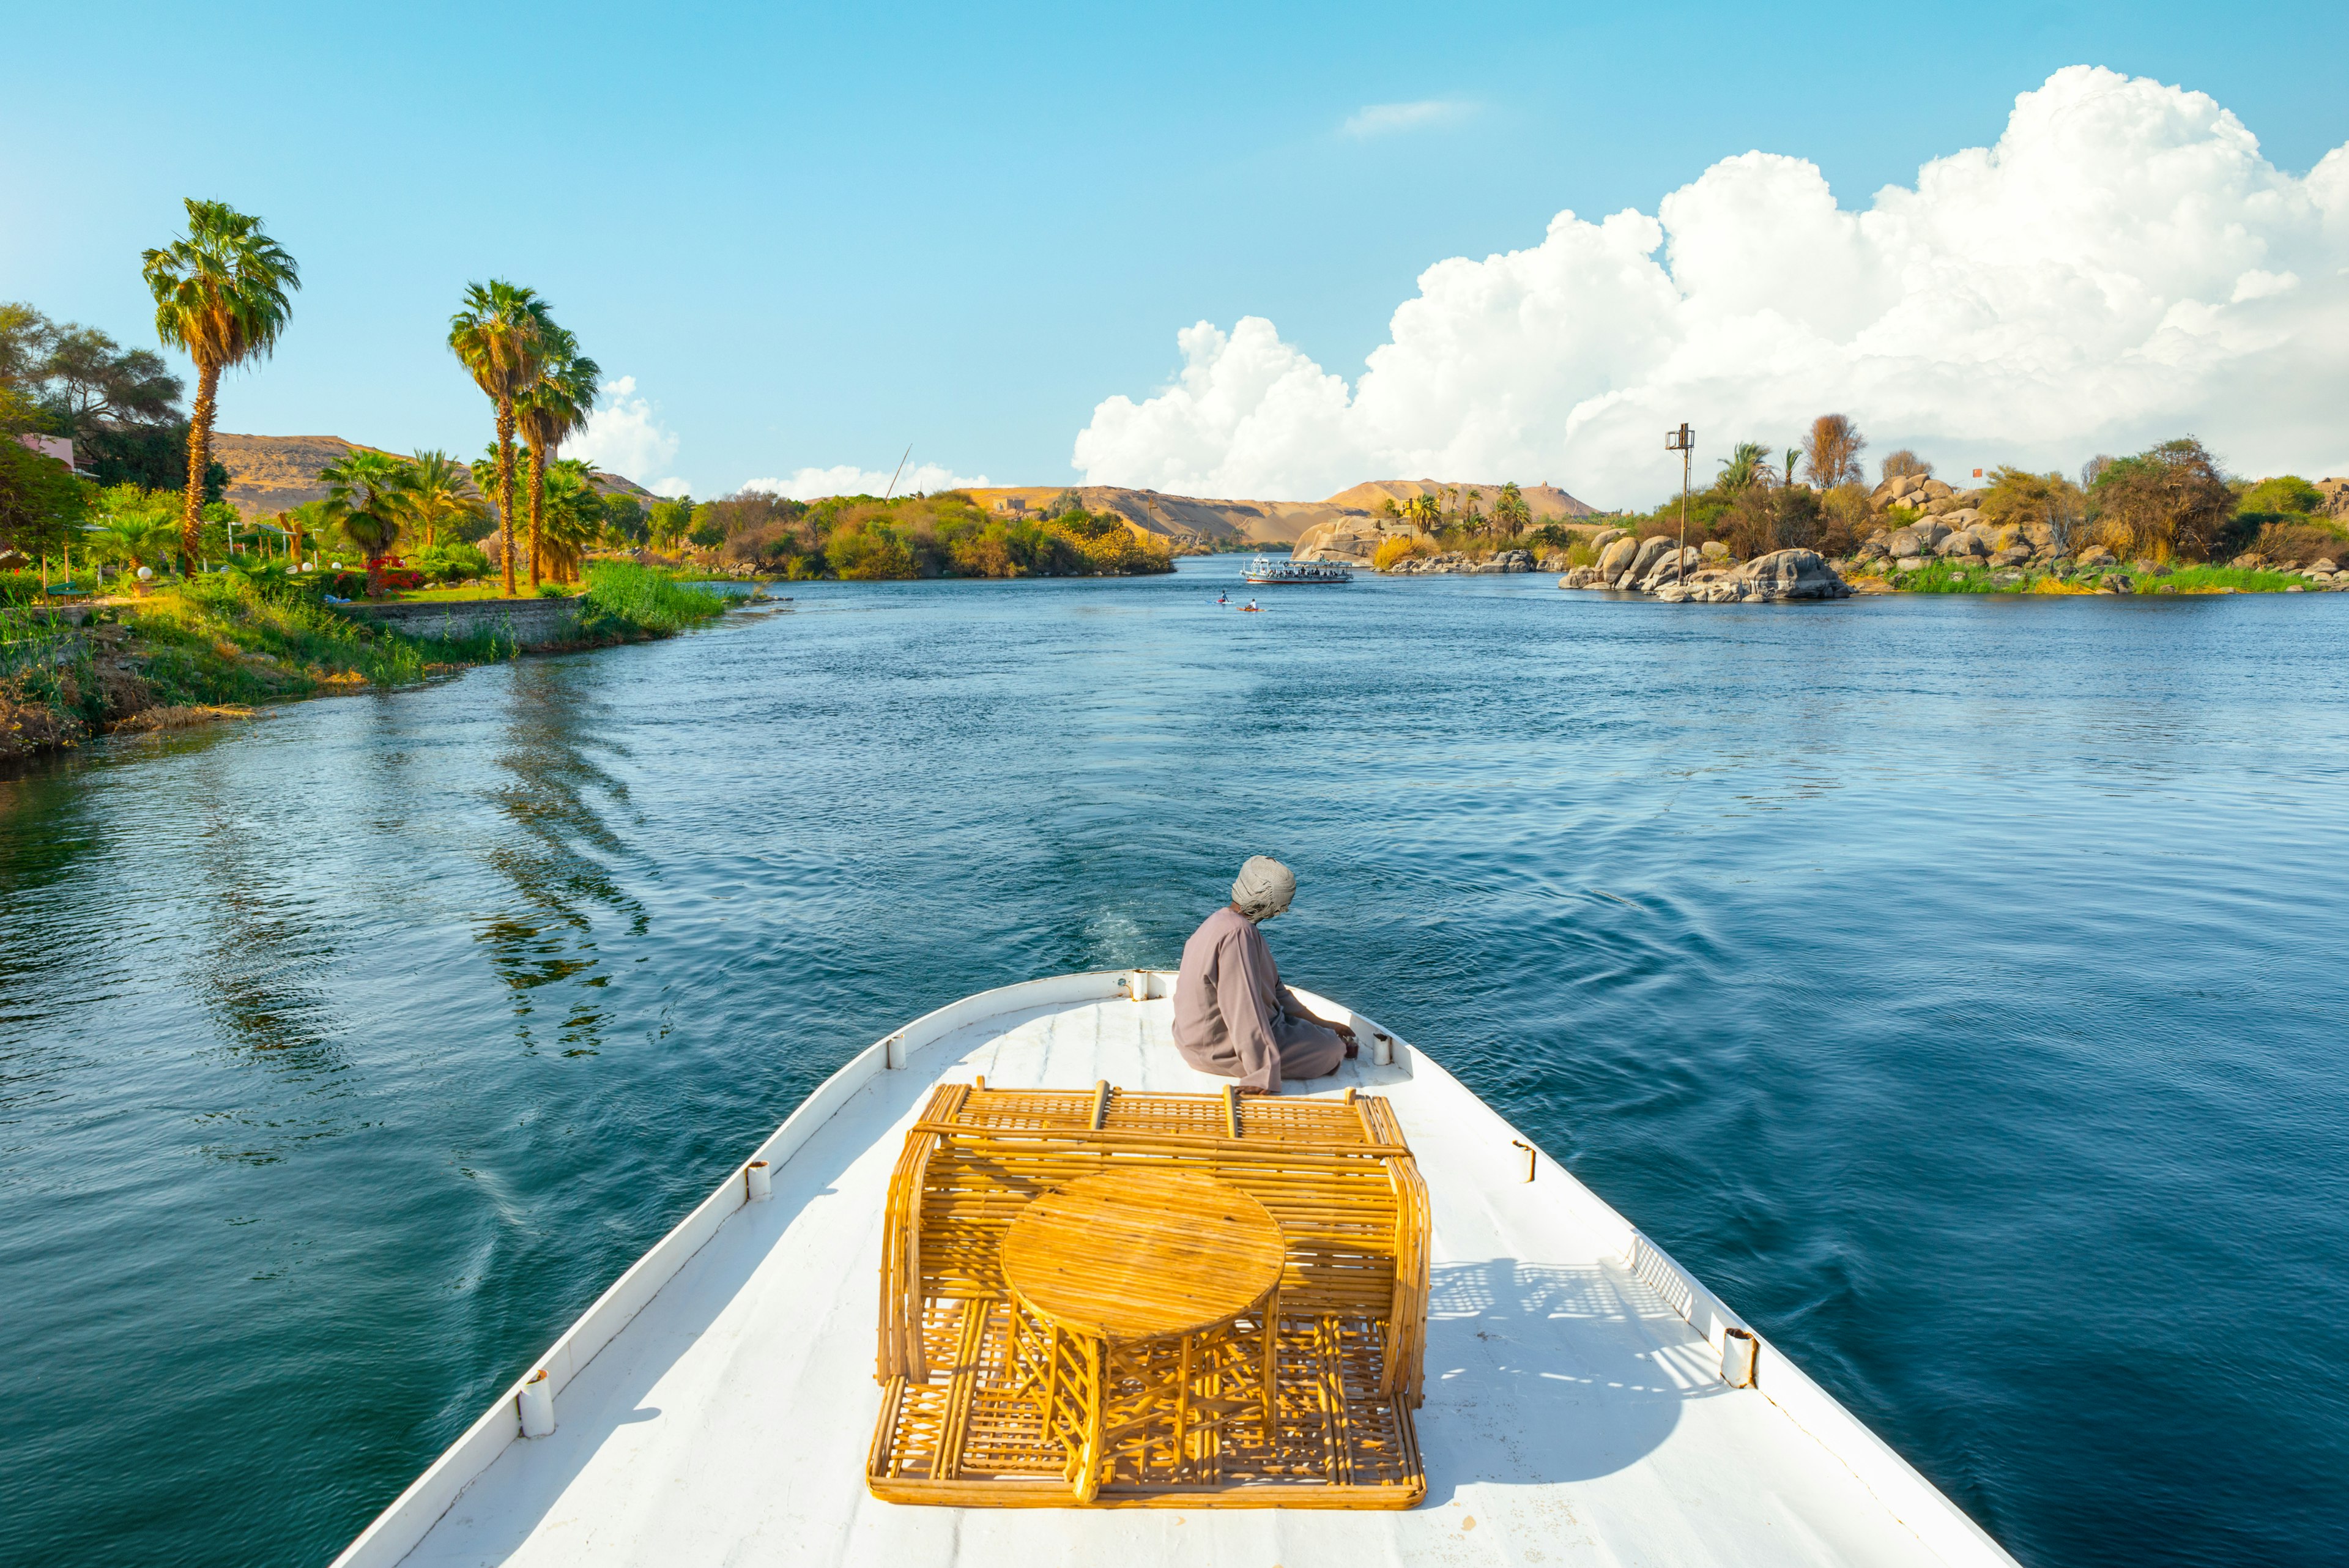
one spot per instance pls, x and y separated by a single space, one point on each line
1140 1254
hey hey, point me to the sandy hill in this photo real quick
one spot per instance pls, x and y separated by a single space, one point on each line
1185 519
1546 499
1190 519
270 474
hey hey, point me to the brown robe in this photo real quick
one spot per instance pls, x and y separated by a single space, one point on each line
1235 1019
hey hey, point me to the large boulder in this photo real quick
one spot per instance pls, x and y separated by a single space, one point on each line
2043 535
1652 549
1615 558
1906 542
1668 568
1605 536
1934 490
1790 575
1961 544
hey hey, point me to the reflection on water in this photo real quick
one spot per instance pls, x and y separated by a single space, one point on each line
549 856
1918 972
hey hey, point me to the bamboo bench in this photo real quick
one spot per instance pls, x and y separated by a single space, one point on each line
962 1421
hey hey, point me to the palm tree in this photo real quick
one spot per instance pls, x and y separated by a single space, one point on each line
1510 512
439 490
498 336
1746 465
1423 509
131 538
219 294
574 515
554 406
368 490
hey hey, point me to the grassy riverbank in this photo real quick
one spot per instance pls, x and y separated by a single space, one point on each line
216 647
1949 577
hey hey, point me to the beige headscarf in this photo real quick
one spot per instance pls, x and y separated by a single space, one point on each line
1263 888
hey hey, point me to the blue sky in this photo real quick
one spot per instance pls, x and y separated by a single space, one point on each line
812 235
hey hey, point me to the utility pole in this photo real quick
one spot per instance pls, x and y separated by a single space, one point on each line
1683 441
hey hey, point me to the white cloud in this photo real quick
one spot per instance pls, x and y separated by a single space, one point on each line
1384 119
625 436
847 479
2121 267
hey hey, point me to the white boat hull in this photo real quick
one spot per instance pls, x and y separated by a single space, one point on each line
717 1403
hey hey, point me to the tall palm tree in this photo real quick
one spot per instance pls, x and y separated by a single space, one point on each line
1423 510
219 294
499 337
439 489
368 490
551 408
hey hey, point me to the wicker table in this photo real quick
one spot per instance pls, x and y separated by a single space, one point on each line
1145 1317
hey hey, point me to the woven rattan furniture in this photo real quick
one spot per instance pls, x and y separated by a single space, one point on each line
1072 1311
1143 1310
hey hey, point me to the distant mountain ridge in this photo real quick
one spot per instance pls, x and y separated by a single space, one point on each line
271 474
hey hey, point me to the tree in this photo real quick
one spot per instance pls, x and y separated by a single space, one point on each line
1747 465
24 343
671 521
439 490
1422 511
131 538
574 515
95 383
2020 497
2285 493
551 407
1511 515
41 502
2169 500
367 491
498 336
1831 451
1905 464
220 295
624 516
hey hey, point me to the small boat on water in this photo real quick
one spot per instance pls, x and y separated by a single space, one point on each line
1270 572
1420 1340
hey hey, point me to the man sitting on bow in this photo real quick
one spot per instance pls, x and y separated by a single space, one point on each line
1232 1016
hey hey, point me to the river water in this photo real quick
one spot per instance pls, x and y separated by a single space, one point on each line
1956 985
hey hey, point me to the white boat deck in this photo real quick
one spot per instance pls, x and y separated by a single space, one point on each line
1575 1413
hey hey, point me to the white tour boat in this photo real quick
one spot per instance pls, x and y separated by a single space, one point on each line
1270 573
1585 1398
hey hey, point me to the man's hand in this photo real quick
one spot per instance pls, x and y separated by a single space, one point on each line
1245 1090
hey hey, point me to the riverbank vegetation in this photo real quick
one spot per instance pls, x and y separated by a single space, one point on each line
2168 519
865 538
221 644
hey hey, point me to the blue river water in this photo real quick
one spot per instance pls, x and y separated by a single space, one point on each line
1959 986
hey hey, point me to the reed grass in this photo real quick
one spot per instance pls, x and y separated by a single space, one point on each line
648 600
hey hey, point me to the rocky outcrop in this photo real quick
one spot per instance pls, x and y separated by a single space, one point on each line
1921 492
1351 539
1676 576
1455 562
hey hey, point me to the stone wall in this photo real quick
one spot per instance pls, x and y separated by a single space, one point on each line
532 623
